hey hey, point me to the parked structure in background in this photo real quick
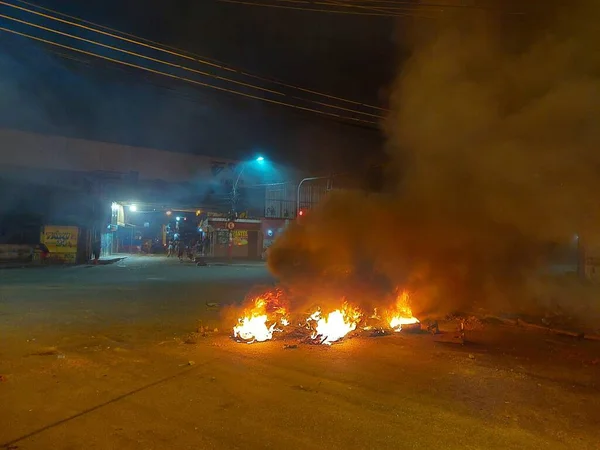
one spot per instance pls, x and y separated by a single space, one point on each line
136 199
280 200
121 195
287 201
293 198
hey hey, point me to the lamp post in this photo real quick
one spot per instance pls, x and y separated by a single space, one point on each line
298 191
234 192
234 195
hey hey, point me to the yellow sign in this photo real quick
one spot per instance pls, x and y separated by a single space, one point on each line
60 239
240 237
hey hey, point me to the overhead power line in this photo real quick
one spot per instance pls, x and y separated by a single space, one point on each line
415 5
373 8
89 62
189 80
321 10
139 55
118 49
153 45
110 47
326 105
376 8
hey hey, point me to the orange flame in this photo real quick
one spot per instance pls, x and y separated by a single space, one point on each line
260 321
401 314
336 325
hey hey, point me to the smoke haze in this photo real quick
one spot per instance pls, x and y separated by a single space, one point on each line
494 141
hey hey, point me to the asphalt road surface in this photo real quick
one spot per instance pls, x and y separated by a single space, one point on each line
96 358
137 294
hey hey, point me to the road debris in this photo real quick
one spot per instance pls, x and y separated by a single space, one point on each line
411 328
50 351
433 327
3 379
378 333
203 331
189 363
289 346
191 338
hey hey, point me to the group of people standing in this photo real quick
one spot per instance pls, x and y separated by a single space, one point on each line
179 248
176 248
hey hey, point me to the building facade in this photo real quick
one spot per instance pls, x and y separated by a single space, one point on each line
58 181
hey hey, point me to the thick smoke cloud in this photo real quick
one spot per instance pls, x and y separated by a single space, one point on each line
494 140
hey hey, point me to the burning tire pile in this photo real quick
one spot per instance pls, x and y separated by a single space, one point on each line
267 315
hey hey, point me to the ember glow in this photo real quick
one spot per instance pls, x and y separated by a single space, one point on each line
336 325
401 314
254 329
268 313
261 320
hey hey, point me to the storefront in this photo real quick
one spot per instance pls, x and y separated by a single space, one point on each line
241 239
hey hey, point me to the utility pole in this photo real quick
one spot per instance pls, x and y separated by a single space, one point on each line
298 190
234 192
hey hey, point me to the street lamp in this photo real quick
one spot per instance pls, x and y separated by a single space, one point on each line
298 212
133 208
260 160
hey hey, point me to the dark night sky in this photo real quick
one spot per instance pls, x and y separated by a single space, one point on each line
348 56
351 56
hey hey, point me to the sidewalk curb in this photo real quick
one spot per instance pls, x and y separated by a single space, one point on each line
520 323
232 265
36 266
106 262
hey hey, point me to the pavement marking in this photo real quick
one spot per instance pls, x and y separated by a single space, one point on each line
180 373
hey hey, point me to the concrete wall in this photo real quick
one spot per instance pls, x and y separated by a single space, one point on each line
127 173
19 149
15 253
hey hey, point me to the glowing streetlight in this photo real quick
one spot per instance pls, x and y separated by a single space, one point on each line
260 160
133 208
